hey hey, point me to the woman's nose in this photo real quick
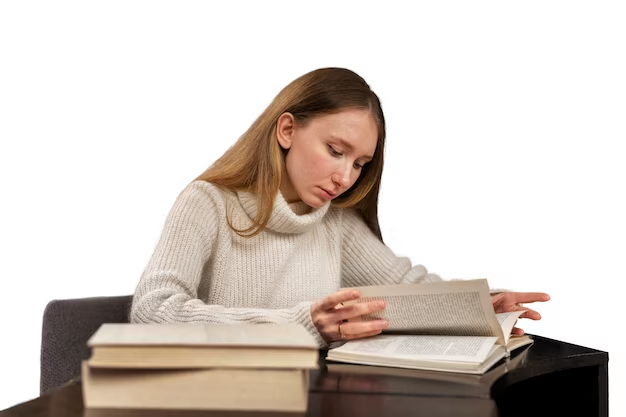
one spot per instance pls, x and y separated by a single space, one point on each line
341 178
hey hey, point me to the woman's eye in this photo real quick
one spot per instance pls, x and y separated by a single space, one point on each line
333 151
357 166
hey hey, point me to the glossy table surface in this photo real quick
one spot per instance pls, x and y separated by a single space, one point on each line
338 389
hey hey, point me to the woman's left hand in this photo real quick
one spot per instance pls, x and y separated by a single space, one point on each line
514 301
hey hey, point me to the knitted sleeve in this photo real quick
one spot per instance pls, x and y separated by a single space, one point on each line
167 291
365 260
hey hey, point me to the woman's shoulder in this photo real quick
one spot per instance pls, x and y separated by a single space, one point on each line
205 187
207 194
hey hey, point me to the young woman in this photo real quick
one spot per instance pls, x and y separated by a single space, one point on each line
285 218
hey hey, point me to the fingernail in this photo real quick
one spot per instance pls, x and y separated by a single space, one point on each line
380 304
383 324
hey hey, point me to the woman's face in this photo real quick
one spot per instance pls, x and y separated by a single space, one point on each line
325 154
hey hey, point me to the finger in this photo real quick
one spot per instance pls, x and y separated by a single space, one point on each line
530 297
338 297
352 329
362 335
517 331
530 314
359 309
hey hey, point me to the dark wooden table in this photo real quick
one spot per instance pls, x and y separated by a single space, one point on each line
547 378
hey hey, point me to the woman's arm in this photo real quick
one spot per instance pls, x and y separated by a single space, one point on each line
367 261
167 291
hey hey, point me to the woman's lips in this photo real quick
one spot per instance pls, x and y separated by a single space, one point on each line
327 194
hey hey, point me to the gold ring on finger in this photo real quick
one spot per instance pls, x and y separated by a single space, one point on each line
341 335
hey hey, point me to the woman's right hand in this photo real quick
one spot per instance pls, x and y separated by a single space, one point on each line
328 316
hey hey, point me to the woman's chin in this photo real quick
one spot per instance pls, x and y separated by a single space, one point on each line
315 199
314 202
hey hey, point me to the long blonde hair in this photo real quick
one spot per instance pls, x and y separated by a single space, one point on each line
255 163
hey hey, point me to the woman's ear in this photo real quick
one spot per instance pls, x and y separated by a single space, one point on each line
284 130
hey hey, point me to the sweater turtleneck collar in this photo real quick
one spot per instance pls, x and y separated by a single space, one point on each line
285 218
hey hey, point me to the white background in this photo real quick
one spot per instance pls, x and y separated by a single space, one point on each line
505 156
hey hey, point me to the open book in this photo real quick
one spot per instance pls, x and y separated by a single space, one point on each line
444 326
427 382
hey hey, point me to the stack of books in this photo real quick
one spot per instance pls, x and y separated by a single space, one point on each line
209 367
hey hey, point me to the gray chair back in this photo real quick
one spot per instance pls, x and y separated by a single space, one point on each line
67 324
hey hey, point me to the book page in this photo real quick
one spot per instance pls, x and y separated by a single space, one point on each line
457 308
516 360
203 334
507 322
426 348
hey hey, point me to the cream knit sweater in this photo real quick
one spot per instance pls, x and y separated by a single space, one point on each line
202 271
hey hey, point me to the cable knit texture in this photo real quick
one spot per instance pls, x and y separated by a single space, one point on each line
202 271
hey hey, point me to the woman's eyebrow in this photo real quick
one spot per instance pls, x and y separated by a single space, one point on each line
349 146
